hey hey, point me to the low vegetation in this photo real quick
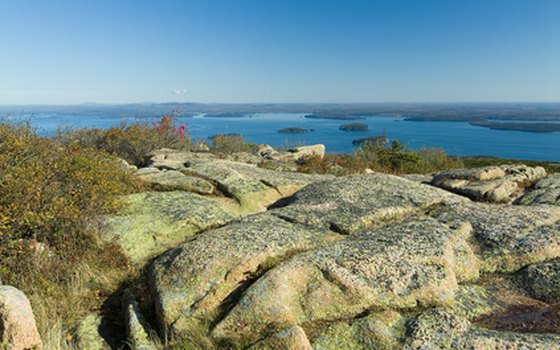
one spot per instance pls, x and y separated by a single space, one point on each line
51 198
131 142
231 143
395 159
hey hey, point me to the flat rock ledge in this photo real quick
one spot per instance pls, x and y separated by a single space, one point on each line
494 184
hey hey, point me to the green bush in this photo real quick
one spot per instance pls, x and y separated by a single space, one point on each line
130 142
395 159
232 143
51 199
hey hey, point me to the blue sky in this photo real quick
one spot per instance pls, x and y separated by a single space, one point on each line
72 51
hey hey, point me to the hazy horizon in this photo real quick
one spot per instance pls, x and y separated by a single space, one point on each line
255 52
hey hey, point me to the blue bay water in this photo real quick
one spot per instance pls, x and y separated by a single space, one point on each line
457 138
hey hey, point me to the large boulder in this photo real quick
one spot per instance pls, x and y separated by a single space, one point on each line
494 184
544 192
308 151
18 330
153 222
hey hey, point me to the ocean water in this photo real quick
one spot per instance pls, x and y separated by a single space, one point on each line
457 138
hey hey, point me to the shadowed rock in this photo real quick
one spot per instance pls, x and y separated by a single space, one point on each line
495 184
544 192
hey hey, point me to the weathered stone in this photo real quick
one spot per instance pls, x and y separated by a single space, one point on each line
170 159
88 334
422 178
400 265
308 151
172 180
546 191
380 331
137 328
495 184
18 330
543 280
254 188
290 338
244 157
153 222
439 329
508 237
353 203
266 151
200 147
193 281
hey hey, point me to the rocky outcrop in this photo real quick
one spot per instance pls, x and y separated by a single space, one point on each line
17 324
544 192
495 184
156 221
343 262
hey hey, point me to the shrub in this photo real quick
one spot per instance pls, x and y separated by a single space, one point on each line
395 159
131 142
231 143
51 197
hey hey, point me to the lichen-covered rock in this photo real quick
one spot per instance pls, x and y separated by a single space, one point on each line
153 222
544 192
353 203
172 180
381 331
440 329
400 265
290 338
17 324
253 187
170 159
136 326
508 237
543 280
495 184
88 334
244 157
194 280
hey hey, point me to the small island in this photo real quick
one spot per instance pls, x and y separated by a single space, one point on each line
334 116
225 115
516 126
294 131
373 140
354 127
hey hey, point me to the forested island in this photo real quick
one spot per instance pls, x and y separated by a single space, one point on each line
354 127
294 131
513 126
